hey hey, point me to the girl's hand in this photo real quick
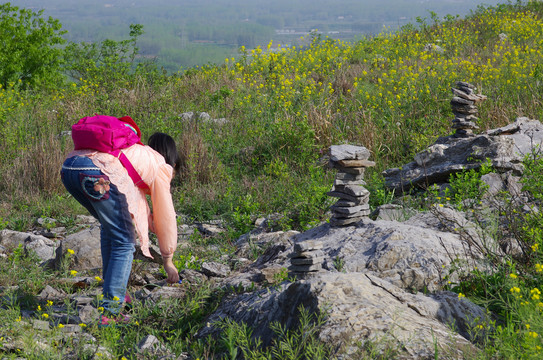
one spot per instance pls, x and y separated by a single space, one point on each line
171 270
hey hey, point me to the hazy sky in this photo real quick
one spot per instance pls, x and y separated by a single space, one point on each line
190 32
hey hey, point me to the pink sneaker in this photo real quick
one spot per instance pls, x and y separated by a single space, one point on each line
119 320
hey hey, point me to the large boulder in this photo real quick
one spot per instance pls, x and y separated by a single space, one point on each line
414 255
41 246
505 147
379 281
86 250
359 307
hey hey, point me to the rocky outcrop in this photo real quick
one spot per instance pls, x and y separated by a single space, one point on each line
370 283
359 308
505 147
44 248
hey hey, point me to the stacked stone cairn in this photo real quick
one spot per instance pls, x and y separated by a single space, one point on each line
464 108
353 204
306 258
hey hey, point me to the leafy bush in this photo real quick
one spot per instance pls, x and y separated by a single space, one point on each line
30 56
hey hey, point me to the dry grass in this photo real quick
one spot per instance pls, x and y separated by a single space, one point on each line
37 170
199 164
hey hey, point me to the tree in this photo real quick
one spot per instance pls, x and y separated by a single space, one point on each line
30 52
108 62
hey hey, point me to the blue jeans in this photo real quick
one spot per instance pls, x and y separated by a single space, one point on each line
117 234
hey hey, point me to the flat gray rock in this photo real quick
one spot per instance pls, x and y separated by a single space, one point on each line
307 245
348 152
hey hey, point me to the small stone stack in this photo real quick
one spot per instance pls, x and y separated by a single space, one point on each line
307 257
353 204
464 108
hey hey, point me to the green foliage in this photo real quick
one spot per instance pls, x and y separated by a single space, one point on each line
511 291
30 55
108 62
300 342
466 188
533 175
187 261
242 217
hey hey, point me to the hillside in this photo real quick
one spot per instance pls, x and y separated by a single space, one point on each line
253 133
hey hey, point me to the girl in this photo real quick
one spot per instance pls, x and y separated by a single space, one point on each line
102 185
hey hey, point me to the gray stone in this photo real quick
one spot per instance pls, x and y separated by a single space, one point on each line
353 190
215 269
210 229
335 221
192 276
163 293
42 246
466 84
349 210
347 215
71 329
464 125
358 200
86 247
82 300
305 268
88 314
494 182
343 202
349 177
187 116
357 171
307 254
362 164
458 100
339 182
204 116
150 343
467 96
40 324
434 48
348 152
307 245
392 212
307 260
50 293
466 109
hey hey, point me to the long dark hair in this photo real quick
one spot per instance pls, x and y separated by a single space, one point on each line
164 144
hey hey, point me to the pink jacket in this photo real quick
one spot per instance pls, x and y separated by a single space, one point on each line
154 171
